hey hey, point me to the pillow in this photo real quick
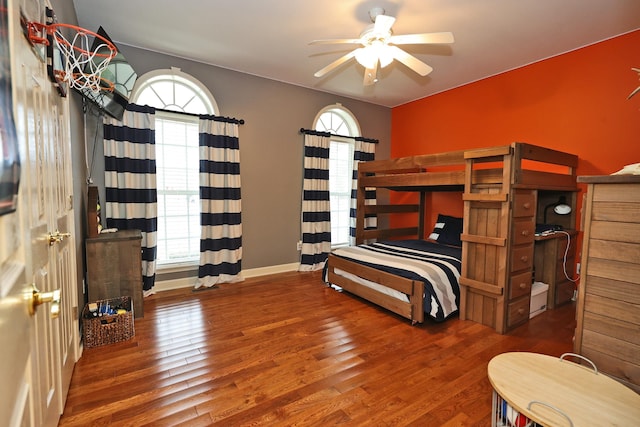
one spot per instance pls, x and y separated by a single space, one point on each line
447 230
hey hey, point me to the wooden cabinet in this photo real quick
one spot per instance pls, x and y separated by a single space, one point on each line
608 311
523 251
551 261
114 267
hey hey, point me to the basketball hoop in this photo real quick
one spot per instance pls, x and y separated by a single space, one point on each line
83 63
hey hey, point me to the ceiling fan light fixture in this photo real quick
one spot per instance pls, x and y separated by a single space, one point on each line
367 57
385 55
379 48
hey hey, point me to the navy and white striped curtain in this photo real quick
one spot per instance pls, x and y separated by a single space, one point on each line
364 151
316 211
220 215
130 181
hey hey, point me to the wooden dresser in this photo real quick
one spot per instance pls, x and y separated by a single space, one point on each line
608 311
114 267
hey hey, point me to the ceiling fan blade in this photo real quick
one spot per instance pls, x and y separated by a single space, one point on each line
370 75
336 41
384 23
337 63
410 61
428 38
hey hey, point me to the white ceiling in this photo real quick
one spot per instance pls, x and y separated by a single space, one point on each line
270 38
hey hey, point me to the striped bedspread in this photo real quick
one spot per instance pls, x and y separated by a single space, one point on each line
438 266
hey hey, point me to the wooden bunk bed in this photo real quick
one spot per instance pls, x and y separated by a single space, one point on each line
504 190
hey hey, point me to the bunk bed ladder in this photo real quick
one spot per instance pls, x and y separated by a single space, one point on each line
485 235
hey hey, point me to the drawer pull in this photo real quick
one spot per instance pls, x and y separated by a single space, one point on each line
526 205
521 311
523 285
525 233
524 258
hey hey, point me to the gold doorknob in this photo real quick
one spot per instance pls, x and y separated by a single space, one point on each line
56 237
36 298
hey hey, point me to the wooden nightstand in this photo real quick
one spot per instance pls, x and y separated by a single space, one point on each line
549 265
114 267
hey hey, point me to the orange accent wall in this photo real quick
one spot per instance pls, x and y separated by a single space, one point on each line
575 102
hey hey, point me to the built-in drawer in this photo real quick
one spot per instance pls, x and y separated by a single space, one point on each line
523 231
520 284
524 204
521 257
518 312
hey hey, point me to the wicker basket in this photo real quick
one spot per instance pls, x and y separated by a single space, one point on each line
108 328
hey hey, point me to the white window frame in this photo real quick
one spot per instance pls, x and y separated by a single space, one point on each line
167 236
343 126
340 178
170 104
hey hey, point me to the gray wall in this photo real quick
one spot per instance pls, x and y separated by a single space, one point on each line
271 146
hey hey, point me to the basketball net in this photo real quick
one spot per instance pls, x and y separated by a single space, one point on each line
82 65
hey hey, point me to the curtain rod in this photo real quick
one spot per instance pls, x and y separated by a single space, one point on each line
209 116
320 133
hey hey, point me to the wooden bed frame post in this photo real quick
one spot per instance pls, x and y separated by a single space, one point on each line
421 213
464 298
504 257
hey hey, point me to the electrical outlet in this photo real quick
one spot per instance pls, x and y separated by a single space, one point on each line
299 245
578 268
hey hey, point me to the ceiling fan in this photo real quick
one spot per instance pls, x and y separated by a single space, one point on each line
379 47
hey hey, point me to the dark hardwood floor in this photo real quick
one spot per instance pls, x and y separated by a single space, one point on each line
286 350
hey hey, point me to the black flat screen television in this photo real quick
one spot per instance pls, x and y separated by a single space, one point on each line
123 76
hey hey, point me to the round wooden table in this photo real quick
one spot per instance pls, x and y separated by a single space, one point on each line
558 392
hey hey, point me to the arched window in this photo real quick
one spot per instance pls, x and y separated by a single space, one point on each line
340 122
173 90
174 93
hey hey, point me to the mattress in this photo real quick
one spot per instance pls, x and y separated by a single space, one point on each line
436 265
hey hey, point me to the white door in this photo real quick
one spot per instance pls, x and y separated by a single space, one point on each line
38 350
64 246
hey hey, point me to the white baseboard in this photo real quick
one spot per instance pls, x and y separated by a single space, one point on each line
263 271
190 282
